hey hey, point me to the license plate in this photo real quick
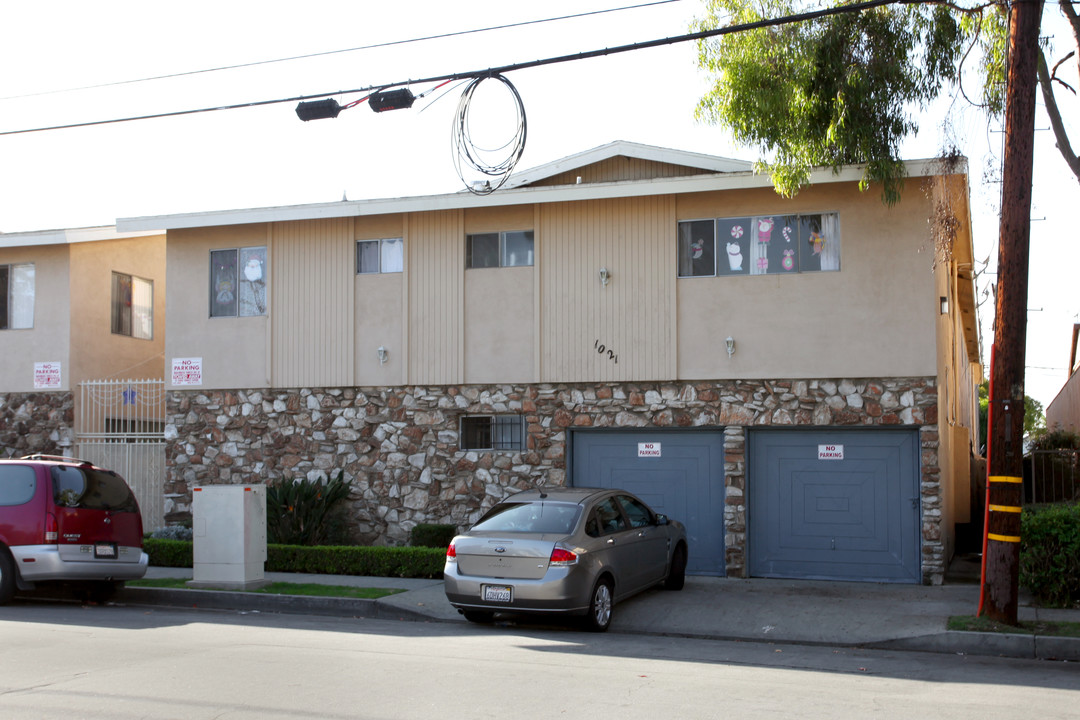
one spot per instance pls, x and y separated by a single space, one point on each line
105 550
497 593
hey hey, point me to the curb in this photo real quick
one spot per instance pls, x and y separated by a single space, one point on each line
258 602
1012 645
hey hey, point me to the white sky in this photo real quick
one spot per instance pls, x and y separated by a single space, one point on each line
266 156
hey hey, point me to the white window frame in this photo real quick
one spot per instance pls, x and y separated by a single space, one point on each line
231 288
19 306
391 256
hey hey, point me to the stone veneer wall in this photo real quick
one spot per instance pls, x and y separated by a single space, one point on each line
36 422
399 446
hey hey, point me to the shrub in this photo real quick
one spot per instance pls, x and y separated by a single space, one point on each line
1050 554
301 512
172 532
411 562
433 535
164 552
1054 438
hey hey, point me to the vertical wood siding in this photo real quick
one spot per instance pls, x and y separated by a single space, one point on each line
633 317
435 262
312 268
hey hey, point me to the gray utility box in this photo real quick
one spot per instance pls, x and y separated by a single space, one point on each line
229 533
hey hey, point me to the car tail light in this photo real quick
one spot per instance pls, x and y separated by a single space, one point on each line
559 556
52 531
451 552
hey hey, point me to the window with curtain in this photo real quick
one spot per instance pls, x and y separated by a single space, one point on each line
759 245
132 306
17 296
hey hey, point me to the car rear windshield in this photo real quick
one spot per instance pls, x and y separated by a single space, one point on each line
89 489
530 517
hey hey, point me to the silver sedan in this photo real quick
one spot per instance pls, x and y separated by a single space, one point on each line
575 551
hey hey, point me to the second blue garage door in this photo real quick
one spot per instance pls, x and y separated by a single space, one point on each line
834 504
678 473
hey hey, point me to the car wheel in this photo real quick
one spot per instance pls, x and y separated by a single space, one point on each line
479 616
7 578
676 576
600 607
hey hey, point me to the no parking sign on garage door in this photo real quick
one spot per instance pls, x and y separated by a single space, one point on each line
679 473
837 504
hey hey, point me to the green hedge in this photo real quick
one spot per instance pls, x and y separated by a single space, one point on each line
1050 554
169 553
411 562
433 535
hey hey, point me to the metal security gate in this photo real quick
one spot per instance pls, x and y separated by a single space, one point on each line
121 427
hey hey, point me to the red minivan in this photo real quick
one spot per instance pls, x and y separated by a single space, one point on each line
66 520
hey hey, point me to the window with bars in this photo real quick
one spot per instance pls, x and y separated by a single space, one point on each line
493 432
132 306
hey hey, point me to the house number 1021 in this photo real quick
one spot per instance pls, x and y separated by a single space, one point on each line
604 350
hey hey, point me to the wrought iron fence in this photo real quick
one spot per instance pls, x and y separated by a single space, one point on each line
121 427
1055 477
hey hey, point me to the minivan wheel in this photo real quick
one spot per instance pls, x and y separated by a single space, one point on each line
7 578
600 607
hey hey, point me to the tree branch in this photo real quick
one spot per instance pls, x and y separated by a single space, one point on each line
1046 84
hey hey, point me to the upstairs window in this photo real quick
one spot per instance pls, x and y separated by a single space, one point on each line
238 282
132 306
493 432
379 256
501 249
16 296
759 245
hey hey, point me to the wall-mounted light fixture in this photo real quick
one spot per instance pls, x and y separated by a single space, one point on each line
729 342
383 354
944 305
605 276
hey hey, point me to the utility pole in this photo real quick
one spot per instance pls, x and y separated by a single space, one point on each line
1006 491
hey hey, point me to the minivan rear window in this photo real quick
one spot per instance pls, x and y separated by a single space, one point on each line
89 489
16 484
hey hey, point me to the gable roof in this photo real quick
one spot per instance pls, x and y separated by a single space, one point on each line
698 162
704 173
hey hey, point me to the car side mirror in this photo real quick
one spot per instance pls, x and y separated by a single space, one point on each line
661 519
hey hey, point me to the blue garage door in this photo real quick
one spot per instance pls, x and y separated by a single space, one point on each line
834 504
680 474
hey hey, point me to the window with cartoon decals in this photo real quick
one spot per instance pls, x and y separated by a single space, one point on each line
759 245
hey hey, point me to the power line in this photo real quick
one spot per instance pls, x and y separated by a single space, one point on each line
771 22
390 43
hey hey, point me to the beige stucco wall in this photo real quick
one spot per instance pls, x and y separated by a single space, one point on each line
872 318
49 340
233 350
96 352
444 324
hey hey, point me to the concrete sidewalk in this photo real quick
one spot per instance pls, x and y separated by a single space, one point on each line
902 617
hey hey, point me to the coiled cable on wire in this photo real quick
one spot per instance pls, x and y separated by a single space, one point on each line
495 164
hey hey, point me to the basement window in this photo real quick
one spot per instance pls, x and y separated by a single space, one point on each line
493 432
